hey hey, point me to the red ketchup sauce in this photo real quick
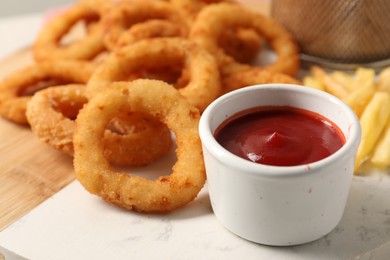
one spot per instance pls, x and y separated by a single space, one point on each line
280 136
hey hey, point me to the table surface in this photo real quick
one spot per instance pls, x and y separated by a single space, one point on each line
42 207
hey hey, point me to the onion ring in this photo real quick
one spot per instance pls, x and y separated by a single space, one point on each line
191 8
163 102
50 125
204 83
134 139
125 15
16 90
254 77
150 29
48 42
213 20
242 45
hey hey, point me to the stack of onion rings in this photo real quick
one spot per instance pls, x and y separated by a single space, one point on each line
163 62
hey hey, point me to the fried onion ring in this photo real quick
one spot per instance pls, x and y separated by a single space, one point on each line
254 77
203 84
48 42
150 29
134 139
125 15
241 44
213 20
191 8
163 102
16 90
56 126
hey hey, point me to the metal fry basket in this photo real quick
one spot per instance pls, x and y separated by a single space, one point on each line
339 34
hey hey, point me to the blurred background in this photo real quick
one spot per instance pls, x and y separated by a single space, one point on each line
16 7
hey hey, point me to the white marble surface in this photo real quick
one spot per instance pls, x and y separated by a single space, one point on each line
76 225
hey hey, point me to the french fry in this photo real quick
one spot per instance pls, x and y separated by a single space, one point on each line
370 100
359 98
313 83
384 80
343 78
332 86
381 154
364 78
373 120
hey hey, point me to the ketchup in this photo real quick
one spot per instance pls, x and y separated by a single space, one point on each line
280 136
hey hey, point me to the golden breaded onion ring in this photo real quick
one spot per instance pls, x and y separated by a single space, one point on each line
203 84
213 20
159 100
241 44
51 113
48 42
150 29
255 76
191 8
134 139
17 88
125 15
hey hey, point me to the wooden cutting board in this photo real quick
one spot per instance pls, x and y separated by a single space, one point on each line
30 171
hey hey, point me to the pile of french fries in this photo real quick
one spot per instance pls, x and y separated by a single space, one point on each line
368 95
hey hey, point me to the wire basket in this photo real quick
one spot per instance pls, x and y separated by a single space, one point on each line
338 33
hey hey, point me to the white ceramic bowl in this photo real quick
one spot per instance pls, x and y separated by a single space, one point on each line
279 205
